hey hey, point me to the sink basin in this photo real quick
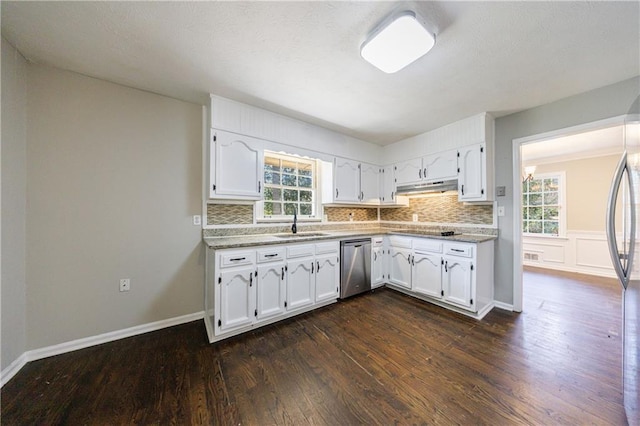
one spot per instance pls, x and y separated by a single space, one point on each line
301 235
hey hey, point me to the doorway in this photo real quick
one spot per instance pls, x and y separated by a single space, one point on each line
557 224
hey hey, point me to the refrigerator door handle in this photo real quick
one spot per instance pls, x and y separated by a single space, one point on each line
621 271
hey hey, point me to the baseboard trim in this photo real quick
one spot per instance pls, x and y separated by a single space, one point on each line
74 345
503 306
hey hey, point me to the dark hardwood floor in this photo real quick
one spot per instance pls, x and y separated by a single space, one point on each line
381 358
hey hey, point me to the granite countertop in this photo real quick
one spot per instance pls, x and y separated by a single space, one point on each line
239 241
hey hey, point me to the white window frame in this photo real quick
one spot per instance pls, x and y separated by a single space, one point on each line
316 191
562 205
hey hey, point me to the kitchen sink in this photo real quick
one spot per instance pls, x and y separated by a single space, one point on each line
301 235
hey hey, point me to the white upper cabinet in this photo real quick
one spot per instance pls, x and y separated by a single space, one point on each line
407 172
236 166
472 179
440 166
346 183
387 185
369 183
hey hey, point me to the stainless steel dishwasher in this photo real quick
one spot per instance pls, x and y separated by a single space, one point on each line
355 272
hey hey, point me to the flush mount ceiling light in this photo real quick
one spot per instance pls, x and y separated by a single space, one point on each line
397 41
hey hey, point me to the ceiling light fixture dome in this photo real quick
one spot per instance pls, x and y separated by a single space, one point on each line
398 41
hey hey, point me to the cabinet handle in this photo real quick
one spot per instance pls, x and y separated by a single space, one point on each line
236 259
282 273
375 256
271 255
445 266
424 172
420 173
462 189
361 196
457 250
393 194
413 260
409 258
317 266
259 186
312 267
250 280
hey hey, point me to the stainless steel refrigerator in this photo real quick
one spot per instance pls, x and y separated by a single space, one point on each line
625 254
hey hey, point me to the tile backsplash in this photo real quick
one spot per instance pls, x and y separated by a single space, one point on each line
440 208
229 214
347 214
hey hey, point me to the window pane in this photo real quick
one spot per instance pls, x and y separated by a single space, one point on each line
289 208
535 213
535 227
306 196
525 200
525 187
289 180
525 213
277 194
305 169
306 209
271 177
268 208
525 226
551 184
290 195
535 185
268 193
535 199
550 198
304 182
551 213
271 164
551 227
289 167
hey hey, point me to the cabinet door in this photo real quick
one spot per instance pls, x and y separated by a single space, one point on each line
388 185
327 274
440 166
472 178
427 274
369 183
346 184
237 298
236 166
271 290
377 266
457 282
300 283
400 266
409 171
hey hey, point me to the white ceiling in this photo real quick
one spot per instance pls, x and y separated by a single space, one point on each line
302 58
594 143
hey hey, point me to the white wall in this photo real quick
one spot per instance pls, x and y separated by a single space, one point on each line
599 104
13 208
113 177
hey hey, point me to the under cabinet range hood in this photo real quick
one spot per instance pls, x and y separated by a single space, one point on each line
425 188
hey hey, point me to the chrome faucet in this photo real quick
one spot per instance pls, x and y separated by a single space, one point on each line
294 227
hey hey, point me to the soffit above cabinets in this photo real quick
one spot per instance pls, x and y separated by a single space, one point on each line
302 58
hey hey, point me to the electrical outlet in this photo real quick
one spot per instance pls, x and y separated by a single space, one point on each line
125 284
500 211
350 217
414 217
197 220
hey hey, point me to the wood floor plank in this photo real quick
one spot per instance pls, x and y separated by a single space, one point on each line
380 358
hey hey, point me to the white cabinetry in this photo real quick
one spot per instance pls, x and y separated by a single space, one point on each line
431 168
355 182
235 166
444 272
408 172
260 285
378 262
472 179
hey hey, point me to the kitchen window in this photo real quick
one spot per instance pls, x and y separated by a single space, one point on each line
290 184
543 205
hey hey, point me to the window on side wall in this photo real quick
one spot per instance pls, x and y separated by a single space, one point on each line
543 205
290 184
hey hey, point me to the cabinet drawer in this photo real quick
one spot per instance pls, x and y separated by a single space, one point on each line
300 250
423 244
270 254
403 242
326 248
458 250
377 241
236 258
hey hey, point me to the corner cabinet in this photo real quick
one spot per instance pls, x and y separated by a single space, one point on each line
255 286
235 166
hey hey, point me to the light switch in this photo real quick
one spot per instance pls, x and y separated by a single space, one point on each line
501 191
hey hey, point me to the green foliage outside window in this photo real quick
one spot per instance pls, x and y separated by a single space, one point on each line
289 186
540 206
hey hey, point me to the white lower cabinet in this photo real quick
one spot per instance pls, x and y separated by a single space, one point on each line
444 272
256 286
378 262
